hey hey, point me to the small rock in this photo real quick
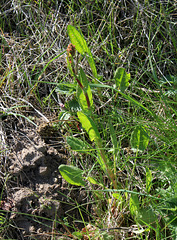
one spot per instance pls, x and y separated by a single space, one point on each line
44 171
55 180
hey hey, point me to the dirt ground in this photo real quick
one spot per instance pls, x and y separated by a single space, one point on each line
40 201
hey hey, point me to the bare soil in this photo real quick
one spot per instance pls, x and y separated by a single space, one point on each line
37 201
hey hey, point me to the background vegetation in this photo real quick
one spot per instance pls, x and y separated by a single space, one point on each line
141 37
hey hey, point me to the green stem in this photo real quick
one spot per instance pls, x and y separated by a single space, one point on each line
109 171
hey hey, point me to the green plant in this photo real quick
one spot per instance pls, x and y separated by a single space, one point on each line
87 118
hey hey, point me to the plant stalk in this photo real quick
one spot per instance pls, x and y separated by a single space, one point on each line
110 173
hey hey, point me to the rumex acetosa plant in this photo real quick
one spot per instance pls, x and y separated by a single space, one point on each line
73 174
85 99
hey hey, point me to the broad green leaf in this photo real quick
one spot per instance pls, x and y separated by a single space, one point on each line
148 180
66 89
122 79
81 94
134 205
77 40
89 125
72 175
76 144
139 139
81 46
